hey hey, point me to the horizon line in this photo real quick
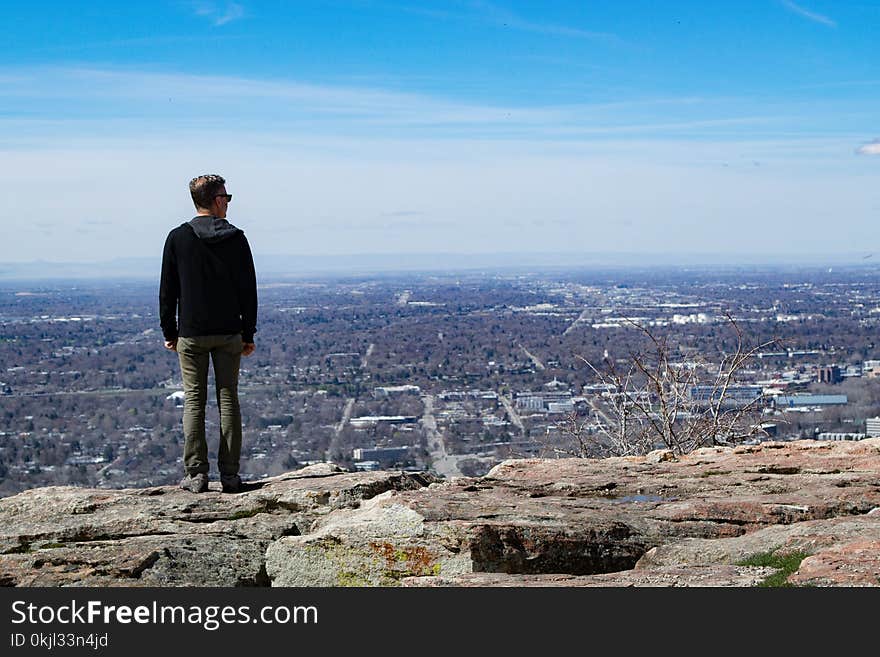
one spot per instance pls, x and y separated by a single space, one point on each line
271 266
862 254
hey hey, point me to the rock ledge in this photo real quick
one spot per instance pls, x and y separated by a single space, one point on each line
634 521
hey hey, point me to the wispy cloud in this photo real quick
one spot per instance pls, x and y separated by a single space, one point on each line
806 13
43 104
507 18
128 43
217 13
871 148
488 12
33 94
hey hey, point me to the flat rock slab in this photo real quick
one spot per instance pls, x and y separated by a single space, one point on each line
635 521
582 517
174 560
841 551
165 536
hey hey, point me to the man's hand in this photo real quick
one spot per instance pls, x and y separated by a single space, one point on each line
171 344
247 348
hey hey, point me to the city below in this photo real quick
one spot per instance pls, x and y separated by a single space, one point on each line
448 372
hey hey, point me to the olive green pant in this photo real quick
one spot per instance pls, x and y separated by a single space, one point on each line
194 353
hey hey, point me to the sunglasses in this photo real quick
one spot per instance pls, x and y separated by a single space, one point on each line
228 197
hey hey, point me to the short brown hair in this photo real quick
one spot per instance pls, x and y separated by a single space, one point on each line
204 188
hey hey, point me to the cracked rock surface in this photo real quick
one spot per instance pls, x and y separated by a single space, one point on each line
165 536
633 521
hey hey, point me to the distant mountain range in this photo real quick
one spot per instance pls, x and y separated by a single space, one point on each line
305 265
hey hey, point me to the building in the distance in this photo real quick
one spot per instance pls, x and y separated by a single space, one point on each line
380 454
828 374
840 435
872 426
805 401
544 401
730 396
389 391
561 407
373 420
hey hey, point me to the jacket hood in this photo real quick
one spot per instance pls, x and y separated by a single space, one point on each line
213 229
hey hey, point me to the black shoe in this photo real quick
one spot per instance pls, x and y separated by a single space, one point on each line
231 483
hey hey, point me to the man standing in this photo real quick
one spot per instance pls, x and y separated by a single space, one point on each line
208 310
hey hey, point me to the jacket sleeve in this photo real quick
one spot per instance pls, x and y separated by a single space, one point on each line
169 291
247 294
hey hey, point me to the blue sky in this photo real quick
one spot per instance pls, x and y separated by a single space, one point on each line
388 126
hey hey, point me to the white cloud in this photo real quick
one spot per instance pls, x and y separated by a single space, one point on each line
806 13
871 148
219 14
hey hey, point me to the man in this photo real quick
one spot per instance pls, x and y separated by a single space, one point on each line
208 310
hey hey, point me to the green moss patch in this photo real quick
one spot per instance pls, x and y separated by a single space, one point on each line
786 563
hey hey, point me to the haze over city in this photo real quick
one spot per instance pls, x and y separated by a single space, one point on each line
744 130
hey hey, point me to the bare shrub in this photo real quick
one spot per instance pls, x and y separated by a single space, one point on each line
653 401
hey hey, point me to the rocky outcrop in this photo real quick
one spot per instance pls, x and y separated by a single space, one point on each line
165 536
716 517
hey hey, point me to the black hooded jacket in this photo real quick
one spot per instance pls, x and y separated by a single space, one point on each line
208 284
